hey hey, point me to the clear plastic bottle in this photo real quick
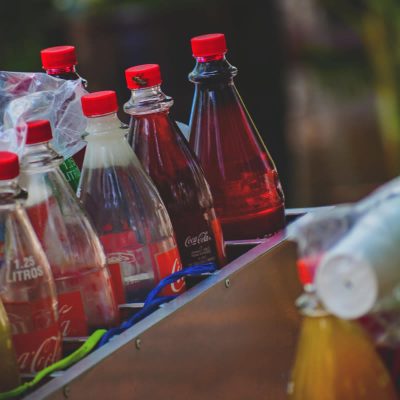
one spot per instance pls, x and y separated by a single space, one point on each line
243 179
174 169
85 296
129 215
59 62
335 359
26 283
9 374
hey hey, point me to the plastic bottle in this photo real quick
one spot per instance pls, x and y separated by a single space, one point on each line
26 283
9 374
335 360
85 296
59 62
129 215
174 169
243 179
362 269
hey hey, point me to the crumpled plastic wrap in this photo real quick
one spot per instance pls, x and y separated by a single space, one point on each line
30 96
351 256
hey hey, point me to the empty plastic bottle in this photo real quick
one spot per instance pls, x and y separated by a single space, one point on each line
85 296
127 210
243 179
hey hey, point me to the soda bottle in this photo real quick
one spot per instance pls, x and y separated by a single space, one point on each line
243 179
85 296
26 284
174 169
129 215
59 62
9 374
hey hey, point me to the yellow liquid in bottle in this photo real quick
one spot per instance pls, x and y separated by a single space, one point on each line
336 360
9 374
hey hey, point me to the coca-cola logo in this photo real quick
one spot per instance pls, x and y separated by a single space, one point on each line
65 324
202 237
120 257
46 354
177 286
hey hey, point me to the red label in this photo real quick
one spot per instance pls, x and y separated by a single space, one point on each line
121 247
167 263
37 350
117 283
72 317
35 333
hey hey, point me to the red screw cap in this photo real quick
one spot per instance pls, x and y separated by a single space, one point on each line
58 57
39 131
99 103
9 165
208 45
143 76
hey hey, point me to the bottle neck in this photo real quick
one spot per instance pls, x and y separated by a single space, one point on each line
213 69
67 73
102 125
214 57
148 101
40 155
67 70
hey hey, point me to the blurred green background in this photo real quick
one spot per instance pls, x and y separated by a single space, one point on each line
321 78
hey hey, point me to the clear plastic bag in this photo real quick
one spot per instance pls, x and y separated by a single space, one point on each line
31 96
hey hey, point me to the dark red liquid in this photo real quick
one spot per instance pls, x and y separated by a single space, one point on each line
244 183
175 171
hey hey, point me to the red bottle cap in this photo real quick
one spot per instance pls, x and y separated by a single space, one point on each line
99 103
58 57
208 45
39 131
9 165
143 76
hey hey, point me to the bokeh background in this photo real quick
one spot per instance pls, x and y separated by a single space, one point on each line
321 78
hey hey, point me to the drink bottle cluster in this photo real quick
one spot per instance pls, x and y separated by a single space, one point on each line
148 204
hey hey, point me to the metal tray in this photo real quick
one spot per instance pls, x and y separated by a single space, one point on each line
232 336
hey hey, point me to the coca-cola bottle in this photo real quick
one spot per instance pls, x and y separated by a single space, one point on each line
129 215
9 374
243 179
60 62
85 296
26 283
174 169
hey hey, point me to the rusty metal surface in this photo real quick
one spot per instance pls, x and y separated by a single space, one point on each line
232 336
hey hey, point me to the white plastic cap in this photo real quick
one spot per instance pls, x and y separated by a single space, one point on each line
347 285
